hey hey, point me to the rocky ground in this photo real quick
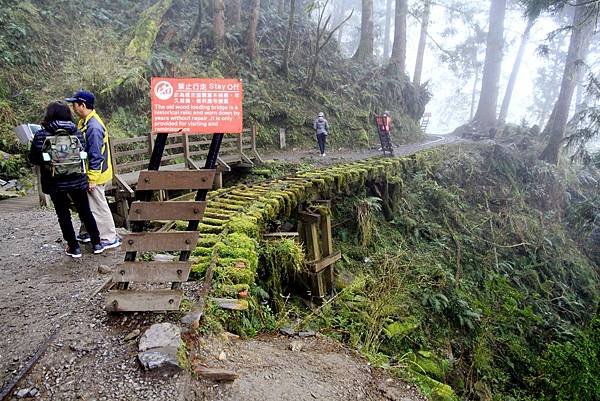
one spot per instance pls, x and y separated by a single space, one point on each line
52 304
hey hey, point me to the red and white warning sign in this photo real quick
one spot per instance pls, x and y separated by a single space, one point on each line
196 105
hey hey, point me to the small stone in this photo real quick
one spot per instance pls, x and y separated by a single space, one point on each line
296 346
288 331
104 269
24 392
307 334
222 356
133 334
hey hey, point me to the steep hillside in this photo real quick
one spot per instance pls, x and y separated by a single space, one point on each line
113 48
475 277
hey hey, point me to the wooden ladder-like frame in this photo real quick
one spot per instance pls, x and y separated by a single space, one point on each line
123 299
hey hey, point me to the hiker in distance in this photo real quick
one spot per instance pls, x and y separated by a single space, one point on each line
99 167
58 149
322 129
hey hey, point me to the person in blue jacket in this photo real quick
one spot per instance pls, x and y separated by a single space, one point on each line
65 189
99 167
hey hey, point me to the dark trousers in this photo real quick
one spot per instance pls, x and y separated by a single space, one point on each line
321 139
62 200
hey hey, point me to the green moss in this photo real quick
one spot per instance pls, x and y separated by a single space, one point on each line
146 30
226 273
182 357
244 224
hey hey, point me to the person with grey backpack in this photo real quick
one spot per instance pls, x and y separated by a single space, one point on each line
321 127
57 148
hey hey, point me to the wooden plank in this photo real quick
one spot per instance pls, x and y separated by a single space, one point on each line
218 375
121 141
141 211
280 235
321 264
312 242
170 241
143 300
311 218
123 186
190 179
152 272
132 152
326 240
132 165
172 156
231 303
318 285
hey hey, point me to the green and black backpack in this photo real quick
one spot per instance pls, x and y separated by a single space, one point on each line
63 154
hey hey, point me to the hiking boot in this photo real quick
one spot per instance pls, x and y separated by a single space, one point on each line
111 244
74 252
98 248
85 237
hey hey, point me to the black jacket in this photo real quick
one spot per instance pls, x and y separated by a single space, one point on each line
52 184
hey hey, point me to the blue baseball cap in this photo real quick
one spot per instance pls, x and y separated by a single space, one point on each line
82 96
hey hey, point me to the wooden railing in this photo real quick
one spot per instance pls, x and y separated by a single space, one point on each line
182 151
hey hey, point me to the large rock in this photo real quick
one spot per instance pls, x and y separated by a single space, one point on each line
160 335
159 357
159 345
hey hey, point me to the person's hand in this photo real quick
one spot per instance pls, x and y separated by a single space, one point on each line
91 187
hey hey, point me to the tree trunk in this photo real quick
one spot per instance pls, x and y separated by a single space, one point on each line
422 42
488 99
474 93
251 33
219 23
281 8
580 89
365 46
288 40
234 12
397 65
199 20
388 29
555 129
514 73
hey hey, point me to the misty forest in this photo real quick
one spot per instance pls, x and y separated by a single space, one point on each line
455 256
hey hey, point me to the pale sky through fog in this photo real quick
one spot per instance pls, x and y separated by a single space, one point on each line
448 110
443 80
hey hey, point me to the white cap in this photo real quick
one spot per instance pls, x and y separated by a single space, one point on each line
321 114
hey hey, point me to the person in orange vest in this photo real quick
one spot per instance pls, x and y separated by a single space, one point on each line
387 121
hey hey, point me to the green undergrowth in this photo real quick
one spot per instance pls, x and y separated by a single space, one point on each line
473 282
465 280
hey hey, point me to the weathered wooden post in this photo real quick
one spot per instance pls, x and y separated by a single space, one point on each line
282 138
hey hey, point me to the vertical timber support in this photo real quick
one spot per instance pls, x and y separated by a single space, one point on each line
315 232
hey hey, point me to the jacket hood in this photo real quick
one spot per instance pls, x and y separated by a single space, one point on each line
68 126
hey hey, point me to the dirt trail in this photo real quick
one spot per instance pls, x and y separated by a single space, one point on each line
41 288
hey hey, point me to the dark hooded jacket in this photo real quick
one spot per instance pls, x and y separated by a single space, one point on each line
52 184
